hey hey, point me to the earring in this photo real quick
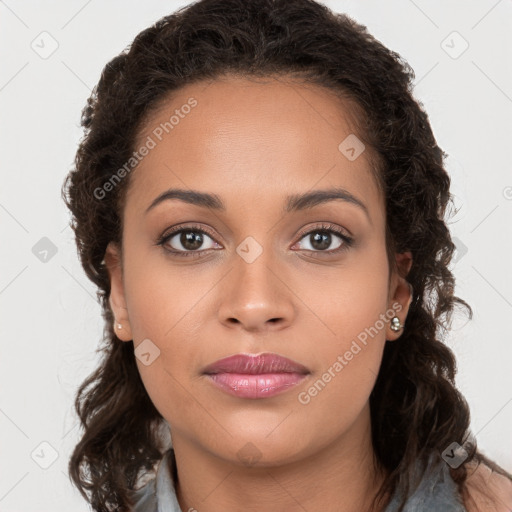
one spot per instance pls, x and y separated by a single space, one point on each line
119 326
395 324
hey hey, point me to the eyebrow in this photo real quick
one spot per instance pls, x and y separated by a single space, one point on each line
296 202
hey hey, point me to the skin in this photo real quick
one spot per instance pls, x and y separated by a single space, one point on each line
487 490
253 143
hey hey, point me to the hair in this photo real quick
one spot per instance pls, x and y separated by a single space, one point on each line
416 410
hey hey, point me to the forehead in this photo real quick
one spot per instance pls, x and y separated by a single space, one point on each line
249 139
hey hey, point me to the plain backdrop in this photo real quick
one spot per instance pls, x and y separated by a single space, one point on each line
52 54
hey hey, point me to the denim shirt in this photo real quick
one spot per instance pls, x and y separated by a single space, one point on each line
436 492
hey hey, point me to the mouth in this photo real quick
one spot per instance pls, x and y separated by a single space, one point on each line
255 376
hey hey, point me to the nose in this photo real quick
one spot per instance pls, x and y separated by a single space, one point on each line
255 297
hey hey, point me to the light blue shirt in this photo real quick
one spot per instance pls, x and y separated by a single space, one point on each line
437 492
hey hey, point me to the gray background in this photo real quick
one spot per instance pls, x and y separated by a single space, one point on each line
51 323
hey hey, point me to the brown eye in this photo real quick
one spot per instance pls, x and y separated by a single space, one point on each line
321 241
326 238
187 241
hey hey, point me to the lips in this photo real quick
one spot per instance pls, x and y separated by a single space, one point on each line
260 376
255 365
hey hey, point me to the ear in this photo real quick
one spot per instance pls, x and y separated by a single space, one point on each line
400 293
117 300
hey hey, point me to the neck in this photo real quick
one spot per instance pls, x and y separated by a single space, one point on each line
342 477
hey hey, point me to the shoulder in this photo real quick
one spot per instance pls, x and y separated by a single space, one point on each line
486 490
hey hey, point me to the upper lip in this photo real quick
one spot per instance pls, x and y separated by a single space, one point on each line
255 364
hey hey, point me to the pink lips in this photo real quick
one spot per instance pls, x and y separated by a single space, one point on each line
261 376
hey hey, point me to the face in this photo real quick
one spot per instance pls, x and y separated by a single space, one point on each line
255 269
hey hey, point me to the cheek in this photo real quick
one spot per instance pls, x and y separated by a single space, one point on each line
335 399
354 312
348 303
162 299
165 308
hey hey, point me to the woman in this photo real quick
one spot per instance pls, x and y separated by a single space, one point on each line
260 201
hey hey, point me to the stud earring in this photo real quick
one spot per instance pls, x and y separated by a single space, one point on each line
395 324
119 326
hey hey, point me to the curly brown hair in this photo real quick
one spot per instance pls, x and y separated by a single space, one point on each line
416 410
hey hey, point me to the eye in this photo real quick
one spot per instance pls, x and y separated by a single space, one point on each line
323 237
185 241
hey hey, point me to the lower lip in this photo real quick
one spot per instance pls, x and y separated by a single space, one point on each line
262 385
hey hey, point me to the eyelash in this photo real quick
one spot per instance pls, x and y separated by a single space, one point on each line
325 227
